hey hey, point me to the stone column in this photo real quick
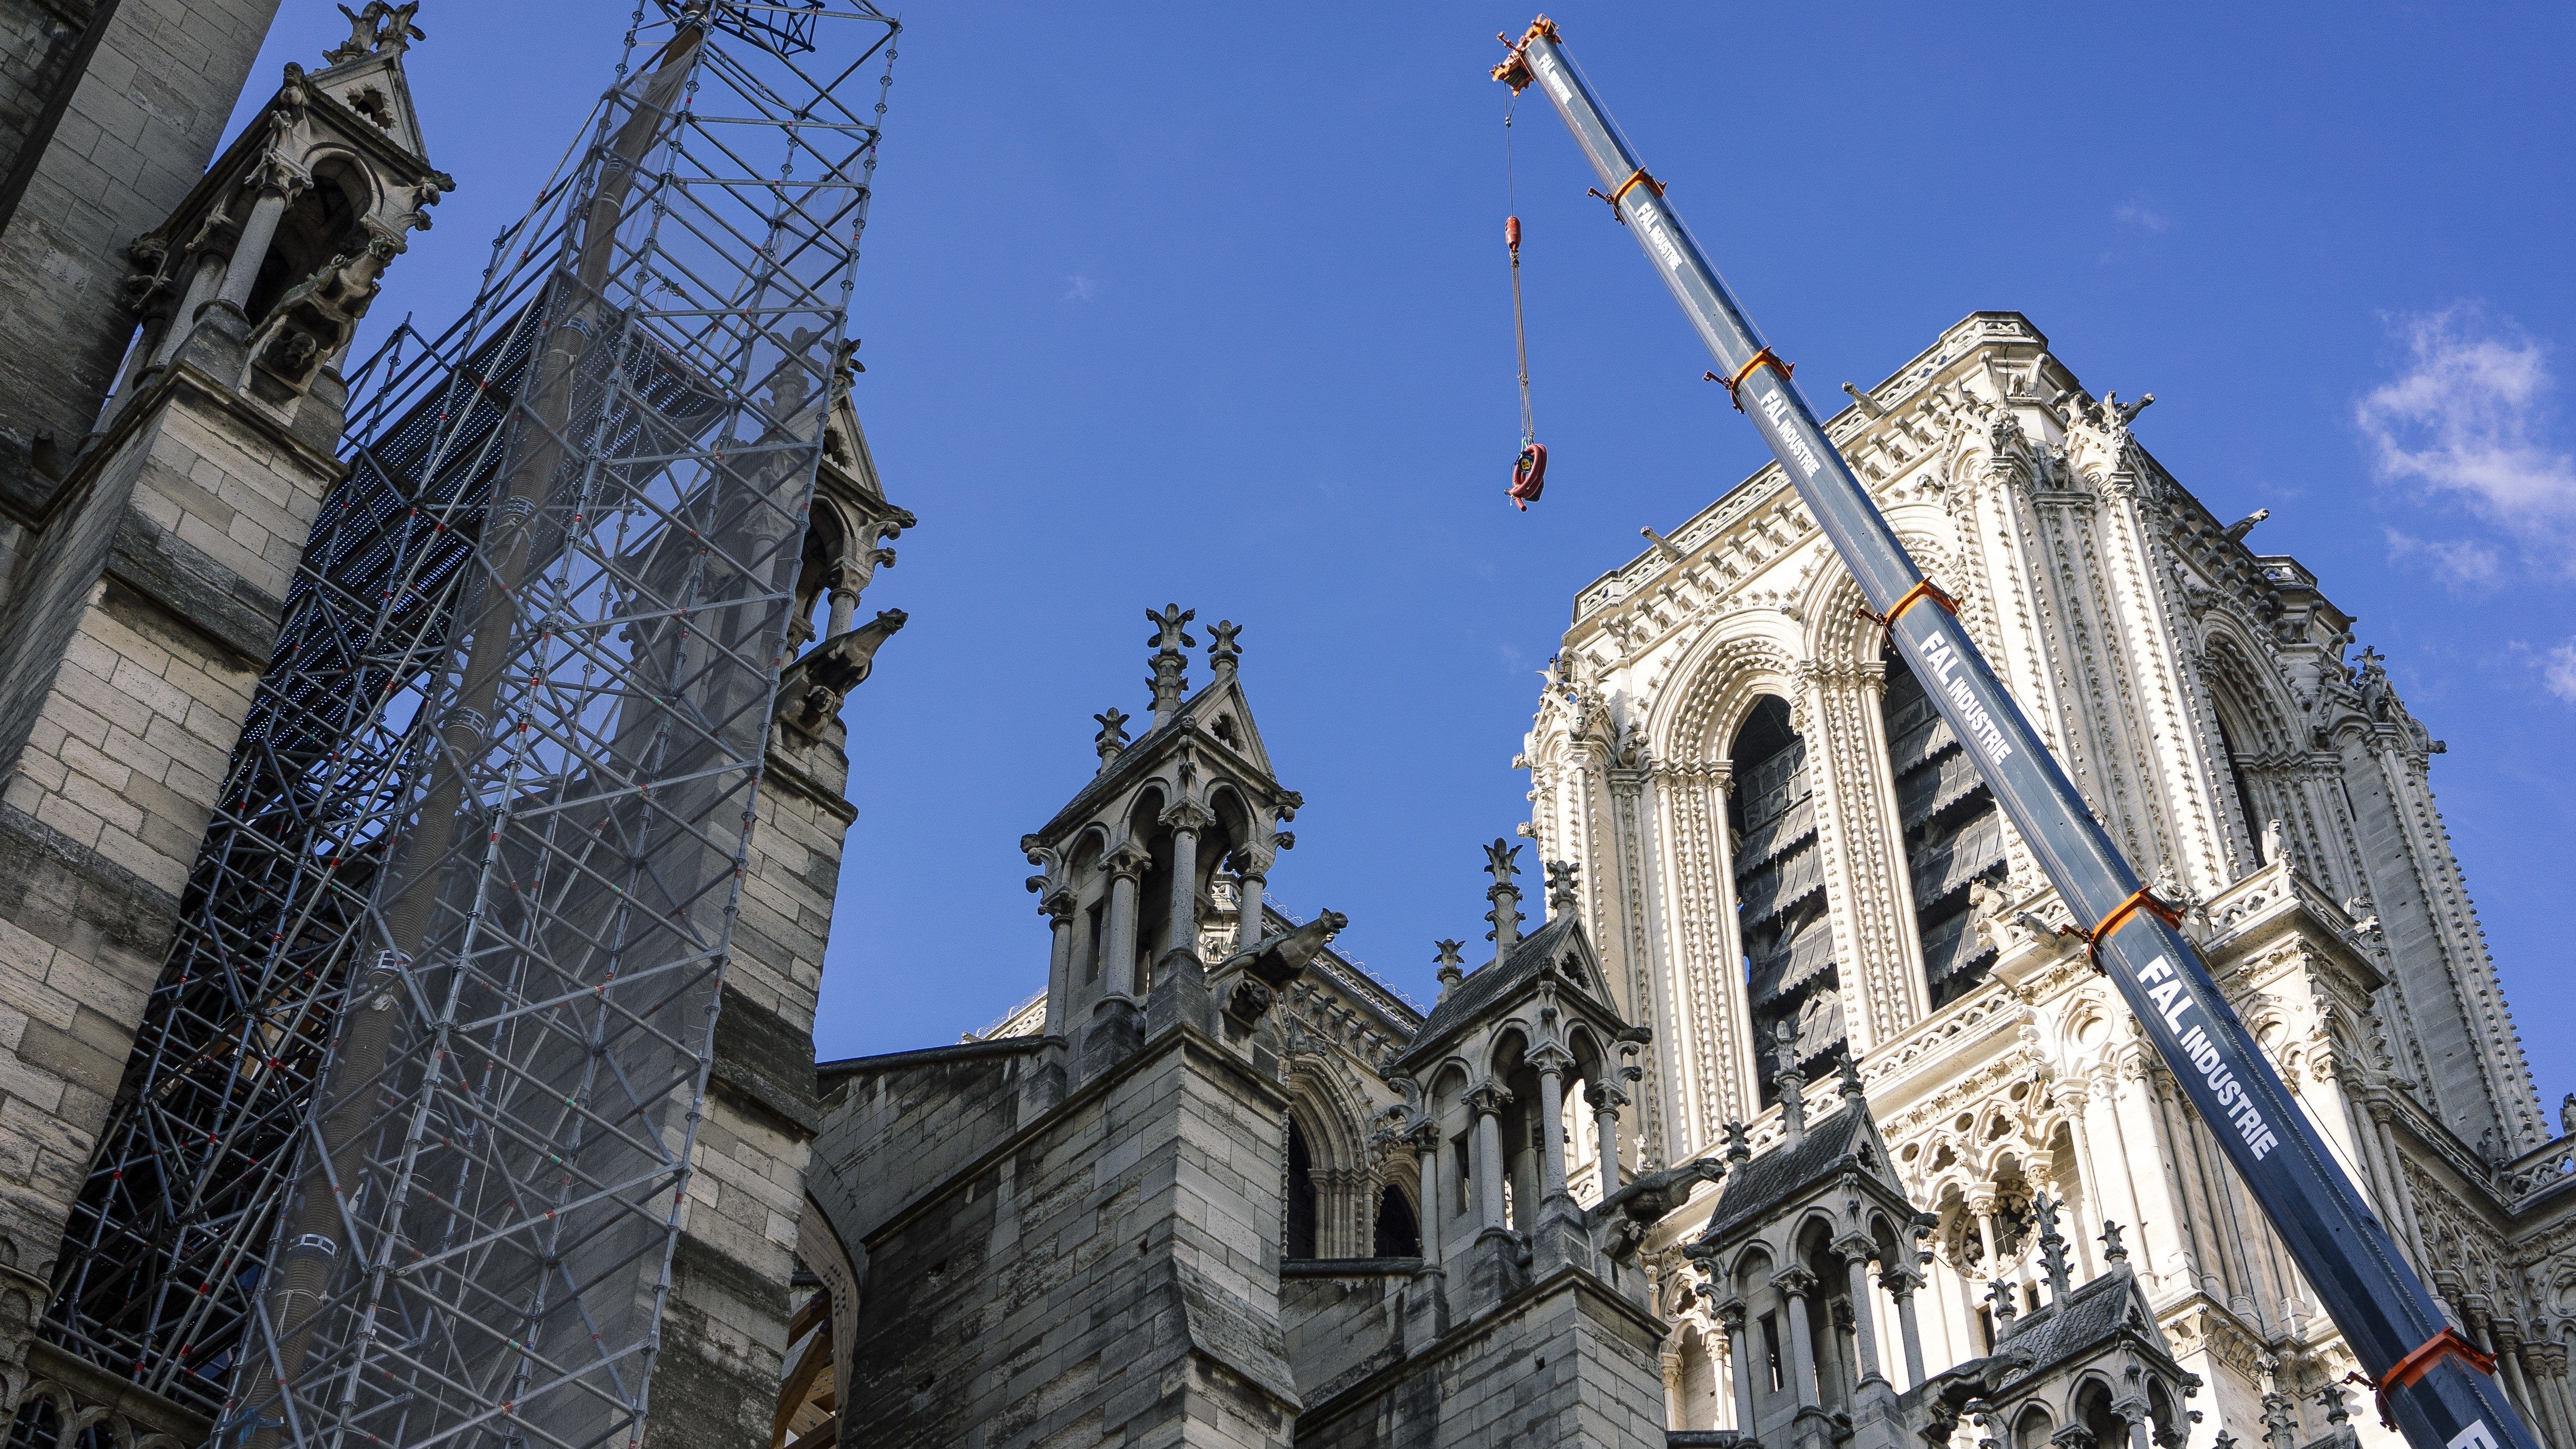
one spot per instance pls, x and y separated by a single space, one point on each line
1252 872
1117 1018
1900 1283
2134 1412
1856 1250
280 182
1059 911
2380 1112
205 275
1605 1099
1485 1159
845 601
1551 1062
1731 1314
1426 1303
1425 1138
1118 973
1186 821
1981 1204
1793 1287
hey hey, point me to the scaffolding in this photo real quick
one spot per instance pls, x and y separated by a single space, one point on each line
404 1145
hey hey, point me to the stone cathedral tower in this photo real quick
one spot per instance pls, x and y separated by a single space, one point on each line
1790 868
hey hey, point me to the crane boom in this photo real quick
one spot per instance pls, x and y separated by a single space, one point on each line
2434 1385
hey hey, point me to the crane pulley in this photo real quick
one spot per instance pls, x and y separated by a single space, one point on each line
2434 1385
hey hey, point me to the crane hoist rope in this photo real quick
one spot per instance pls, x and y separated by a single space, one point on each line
2433 1384
1529 471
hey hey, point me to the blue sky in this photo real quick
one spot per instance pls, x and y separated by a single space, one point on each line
1208 304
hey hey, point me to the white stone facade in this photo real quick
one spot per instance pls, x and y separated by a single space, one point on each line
2200 695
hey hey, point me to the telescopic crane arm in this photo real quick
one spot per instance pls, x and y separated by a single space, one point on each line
2434 1385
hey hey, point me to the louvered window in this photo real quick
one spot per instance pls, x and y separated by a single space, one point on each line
1954 837
1780 895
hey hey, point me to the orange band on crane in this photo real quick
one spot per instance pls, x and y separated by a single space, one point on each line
2139 901
2446 1344
1636 178
1765 358
1923 590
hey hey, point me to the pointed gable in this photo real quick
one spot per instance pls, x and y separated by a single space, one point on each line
1224 715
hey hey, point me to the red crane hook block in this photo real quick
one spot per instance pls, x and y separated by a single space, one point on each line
1528 476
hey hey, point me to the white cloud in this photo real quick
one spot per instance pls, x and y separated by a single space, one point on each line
2461 562
2466 422
1080 288
2136 212
2558 671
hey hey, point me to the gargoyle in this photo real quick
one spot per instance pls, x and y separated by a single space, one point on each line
811 690
1625 1217
1281 959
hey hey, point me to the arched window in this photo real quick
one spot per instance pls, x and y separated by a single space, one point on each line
1954 836
1398 1234
2254 820
1780 894
1302 1217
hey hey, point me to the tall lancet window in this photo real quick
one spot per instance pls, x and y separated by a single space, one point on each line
1780 893
1954 836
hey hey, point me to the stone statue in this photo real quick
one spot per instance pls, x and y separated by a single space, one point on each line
2272 842
2567 1116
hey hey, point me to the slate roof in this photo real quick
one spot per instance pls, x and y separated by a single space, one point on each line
2089 1315
1491 982
1756 1187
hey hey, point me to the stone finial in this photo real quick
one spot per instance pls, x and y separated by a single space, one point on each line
1223 653
1561 885
2280 1421
1854 1095
2112 1251
1501 862
1739 1143
1171 667
1112 741
1793 1088
2052 1246
2000 1294
377 28
2333 1399
1453 968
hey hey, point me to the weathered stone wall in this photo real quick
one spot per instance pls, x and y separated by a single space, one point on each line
724 1327
136 133
127 661
1340 1326
1111 1269
1568 1362
897 1126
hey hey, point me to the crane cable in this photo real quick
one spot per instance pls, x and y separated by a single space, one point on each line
1529 471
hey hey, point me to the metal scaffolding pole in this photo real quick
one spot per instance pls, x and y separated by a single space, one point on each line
496 795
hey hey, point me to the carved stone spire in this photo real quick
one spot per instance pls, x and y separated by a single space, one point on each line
1561 886
1793 1088
2052 1246
2112 1250
1453 969
1502 863
2000 1294
1854 1097
1171 666
1223 653
1739 1143
1112 741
